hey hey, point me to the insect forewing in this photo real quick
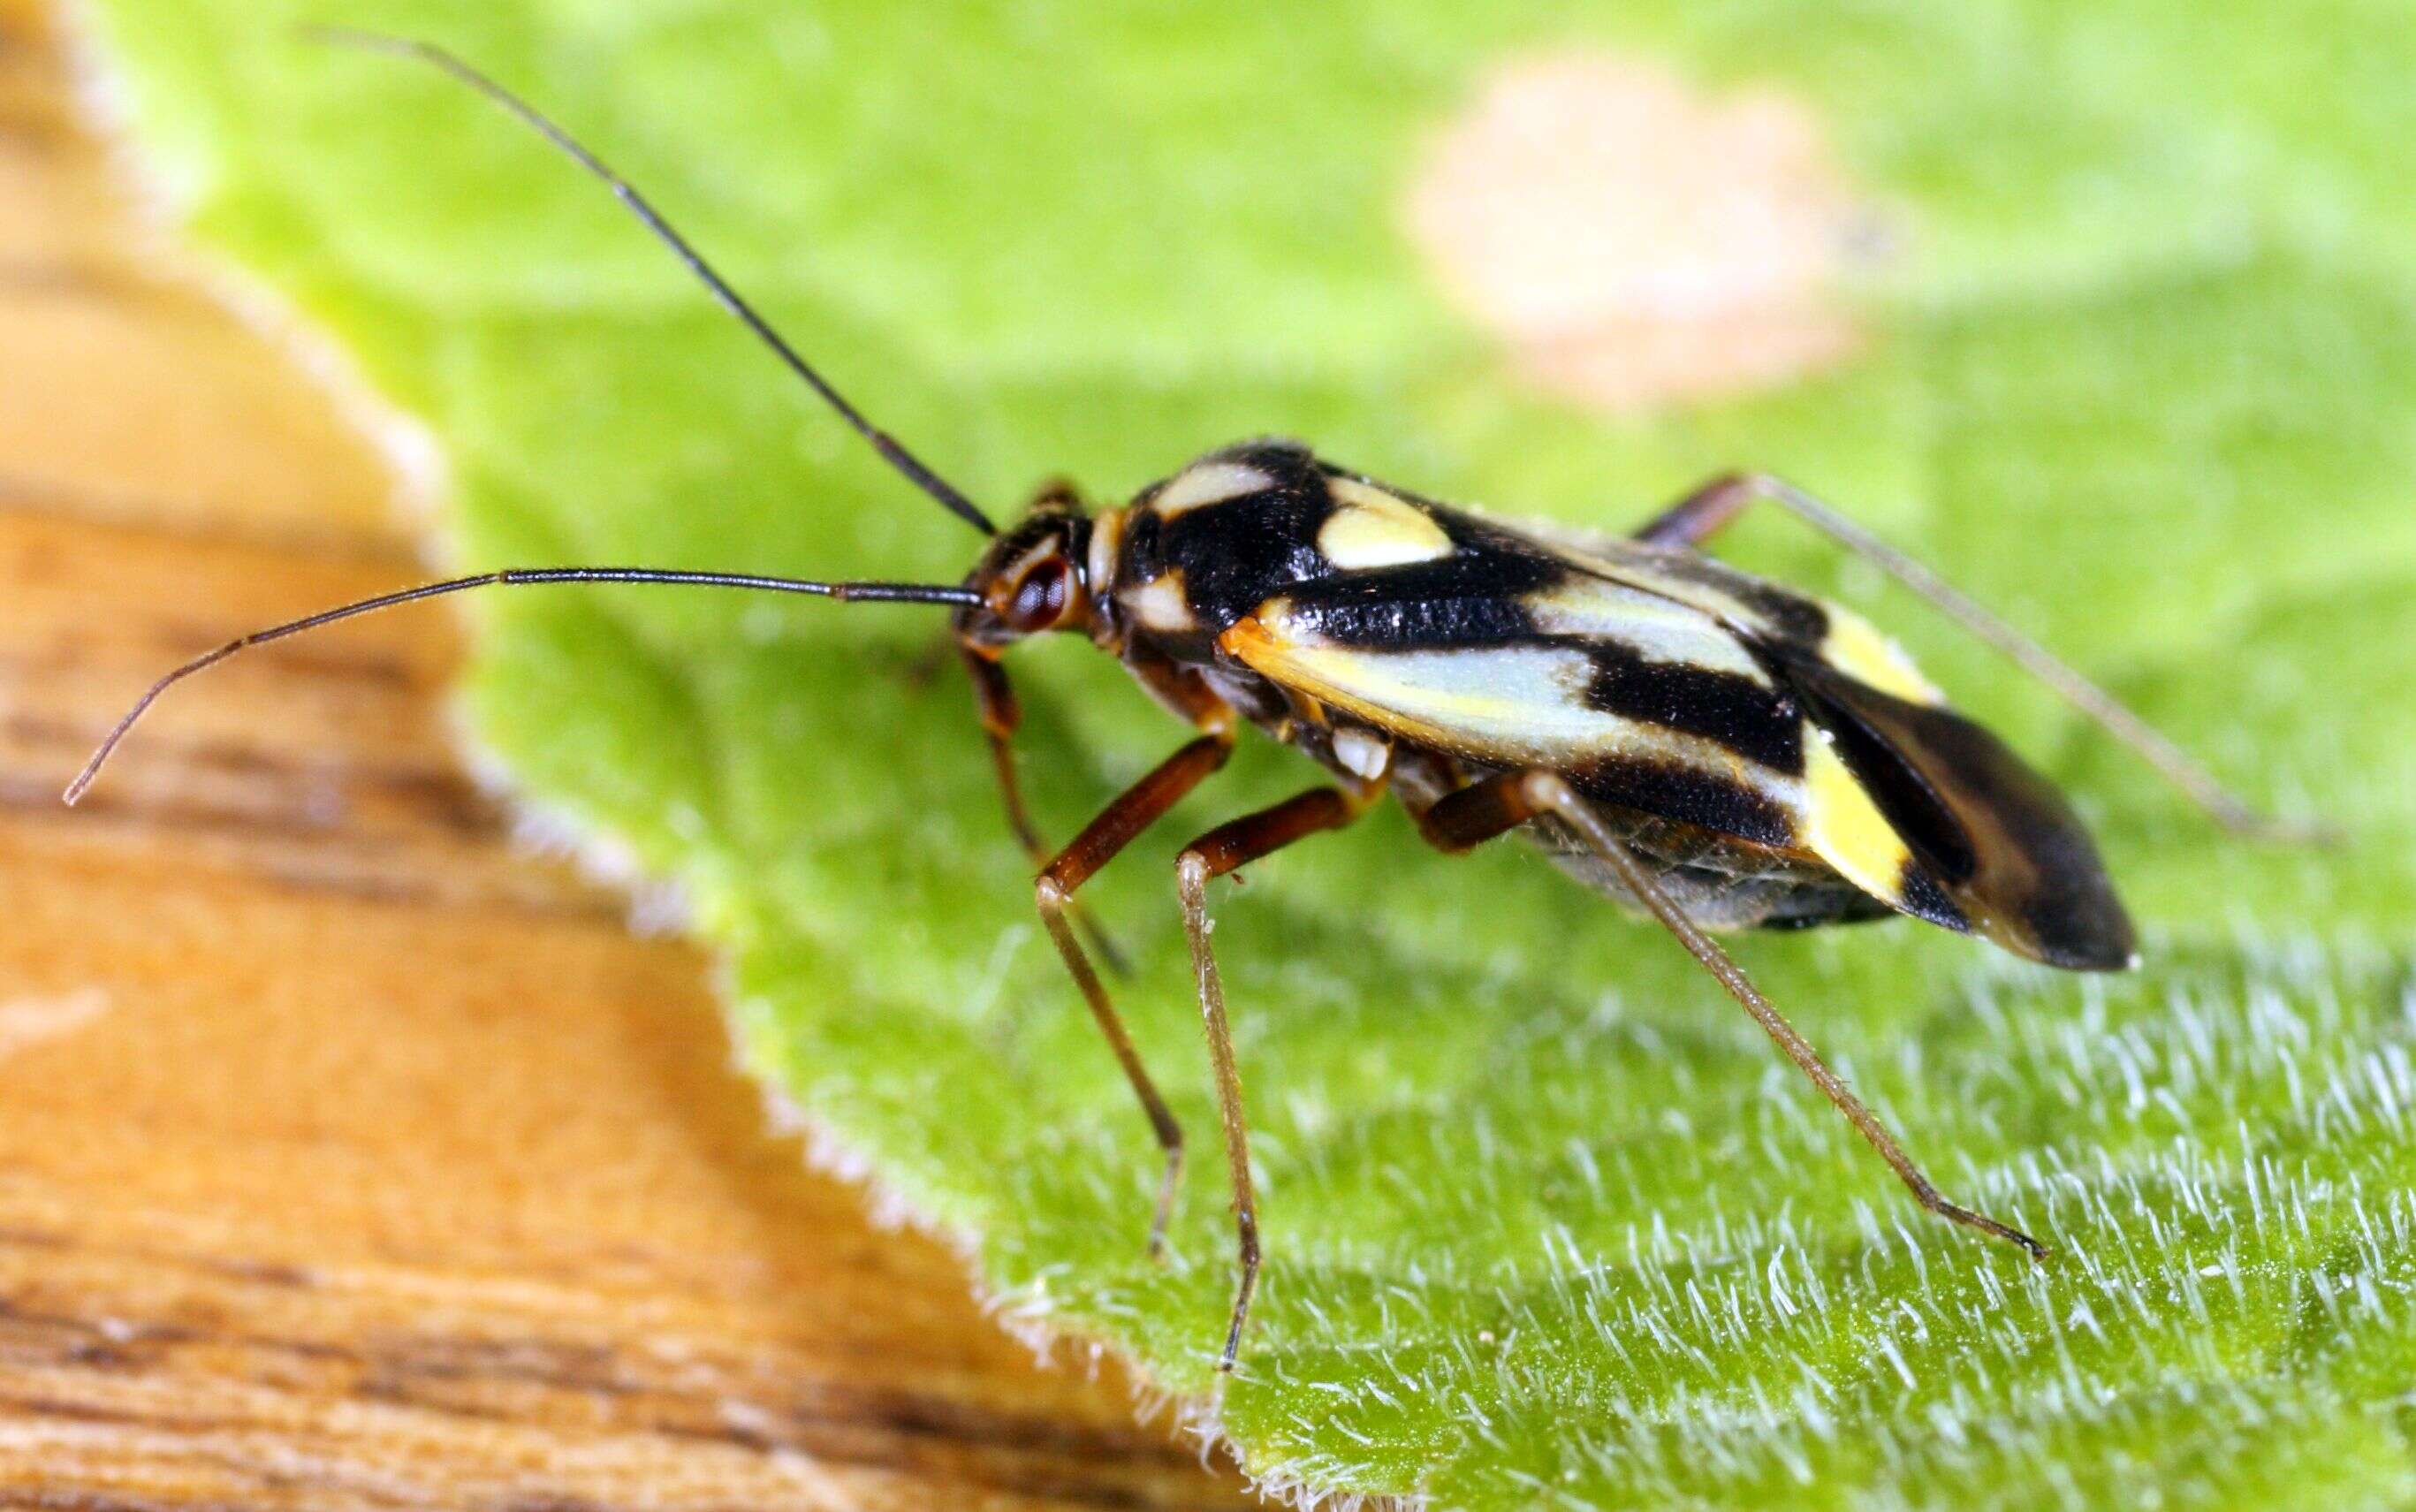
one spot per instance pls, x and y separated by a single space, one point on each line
1675 687
1984 828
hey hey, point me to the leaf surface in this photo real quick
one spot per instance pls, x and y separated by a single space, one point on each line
1550 1224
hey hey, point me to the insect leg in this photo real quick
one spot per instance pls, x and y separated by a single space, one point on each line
1212 854
1140 806
1000 714
1695 517
1700 515
1476 813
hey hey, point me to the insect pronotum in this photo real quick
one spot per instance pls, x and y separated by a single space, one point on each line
1710 748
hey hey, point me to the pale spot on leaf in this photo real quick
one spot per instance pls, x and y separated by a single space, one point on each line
27 1022
1636 240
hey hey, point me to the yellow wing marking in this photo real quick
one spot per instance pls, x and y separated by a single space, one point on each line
1844 827
1856 648
1370 528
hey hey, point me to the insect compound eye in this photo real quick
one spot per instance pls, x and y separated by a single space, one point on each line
1041 596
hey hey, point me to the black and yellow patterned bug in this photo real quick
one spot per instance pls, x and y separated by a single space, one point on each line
1715 750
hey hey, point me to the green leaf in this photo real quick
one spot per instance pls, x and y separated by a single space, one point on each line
1549 1223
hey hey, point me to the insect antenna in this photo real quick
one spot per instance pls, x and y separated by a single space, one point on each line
2157 748
893 593
1687 523
907 464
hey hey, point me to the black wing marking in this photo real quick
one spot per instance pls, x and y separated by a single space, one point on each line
1991 835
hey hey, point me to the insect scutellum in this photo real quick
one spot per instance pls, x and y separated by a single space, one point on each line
1709 748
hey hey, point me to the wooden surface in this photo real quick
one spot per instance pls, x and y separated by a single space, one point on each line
348 1156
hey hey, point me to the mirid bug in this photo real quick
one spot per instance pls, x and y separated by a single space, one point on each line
1704 746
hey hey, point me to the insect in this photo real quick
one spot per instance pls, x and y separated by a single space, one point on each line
1712 750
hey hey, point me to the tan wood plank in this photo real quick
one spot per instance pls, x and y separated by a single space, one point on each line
350 1156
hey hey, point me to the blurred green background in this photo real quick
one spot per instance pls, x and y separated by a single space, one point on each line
1549 1223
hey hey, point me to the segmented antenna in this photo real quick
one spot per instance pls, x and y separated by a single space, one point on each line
895 454
893 593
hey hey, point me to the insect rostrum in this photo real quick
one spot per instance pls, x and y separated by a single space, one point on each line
1710 748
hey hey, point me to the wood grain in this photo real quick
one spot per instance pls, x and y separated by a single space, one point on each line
350 1158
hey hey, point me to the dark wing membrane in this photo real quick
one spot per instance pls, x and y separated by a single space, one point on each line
1993 836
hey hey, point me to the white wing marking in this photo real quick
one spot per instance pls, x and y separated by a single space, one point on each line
1499 704
1648 624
